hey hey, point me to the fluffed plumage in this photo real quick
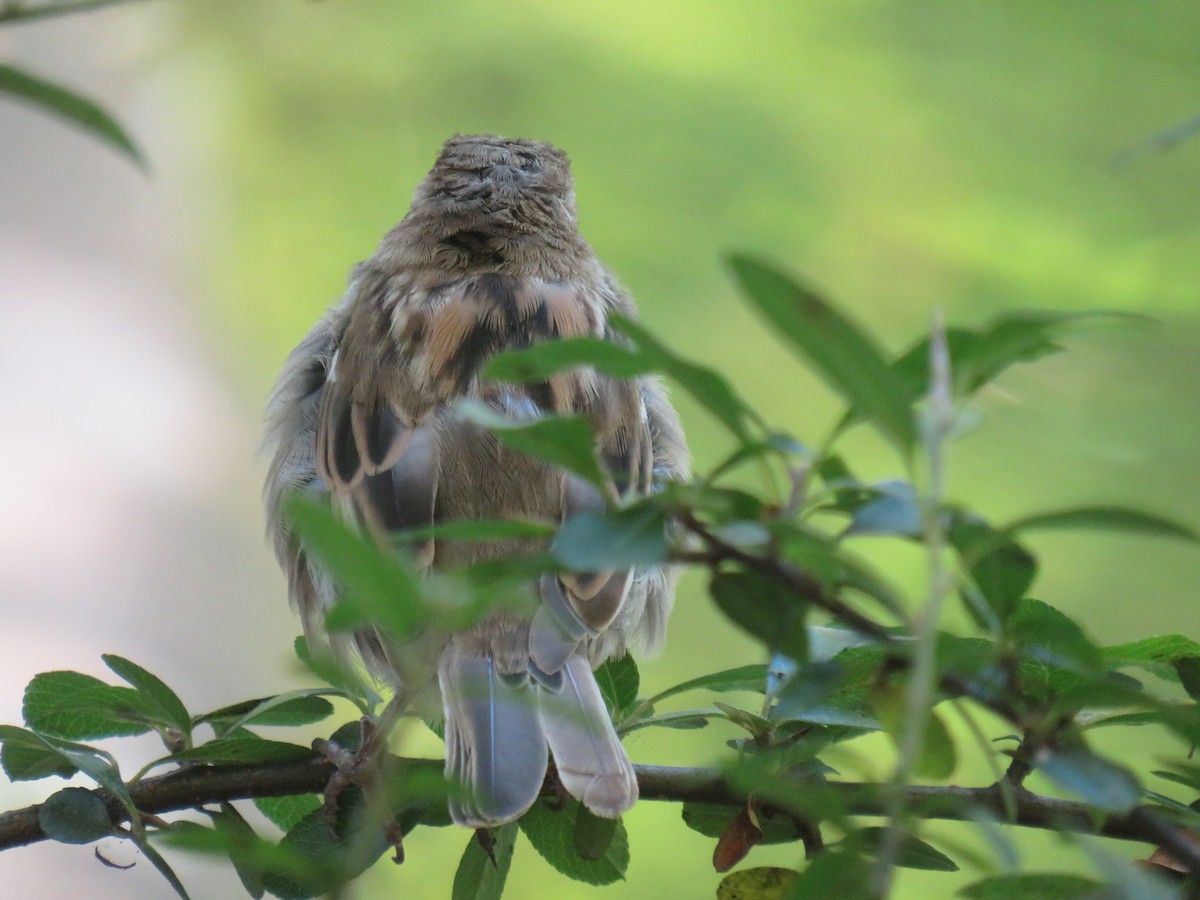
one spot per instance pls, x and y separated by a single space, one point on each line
488 258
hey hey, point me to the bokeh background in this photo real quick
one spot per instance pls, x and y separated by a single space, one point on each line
979 157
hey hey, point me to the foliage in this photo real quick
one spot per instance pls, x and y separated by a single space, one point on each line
848 654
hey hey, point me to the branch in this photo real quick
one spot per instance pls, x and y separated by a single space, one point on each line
201 785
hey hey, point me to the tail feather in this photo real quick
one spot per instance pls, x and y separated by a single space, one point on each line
592 764
495 746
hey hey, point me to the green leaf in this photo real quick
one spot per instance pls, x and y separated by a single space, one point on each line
286 812
75 706
27 756
242 841
293 708
552 833
566 441
619 684
541 361
938 758
71 106
1104 784
1188 670
712 819
762 883
894 511
325 667
1105 518
1032 886
840 352
75 816
1156 655
478 878
743 678
845 876
485 530
157 695
593 834
322 858
377 587
237 751
162 865
1001 568
706 386
589 542
913 854
764 608
1046 634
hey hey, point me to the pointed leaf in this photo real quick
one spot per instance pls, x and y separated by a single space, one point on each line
478 877
158 696
588 542
707 386
27 756
764 608
619 682
75 706
541 361
377 587
71 106
841 353
1033 886
566 441
1106 518
552 833
1104 784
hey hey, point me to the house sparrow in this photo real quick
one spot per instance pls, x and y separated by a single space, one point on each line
488 258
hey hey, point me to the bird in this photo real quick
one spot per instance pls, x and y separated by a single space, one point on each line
367 415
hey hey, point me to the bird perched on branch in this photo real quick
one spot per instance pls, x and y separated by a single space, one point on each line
488 258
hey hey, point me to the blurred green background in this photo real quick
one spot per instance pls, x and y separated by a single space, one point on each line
903 156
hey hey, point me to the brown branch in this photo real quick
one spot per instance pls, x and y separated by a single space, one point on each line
202 785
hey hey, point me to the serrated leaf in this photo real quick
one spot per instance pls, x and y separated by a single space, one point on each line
706 386
1032 886
1156 655
843 354
156 693
552 833
478 877
764 608
1049 635
73 107
589 542
542 360
78 707
1104 784
96 764
27 756
74 816
1104 518
762 883
377 588
619 683
566 441
913 852
236 751
293 708
286 812
593 834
